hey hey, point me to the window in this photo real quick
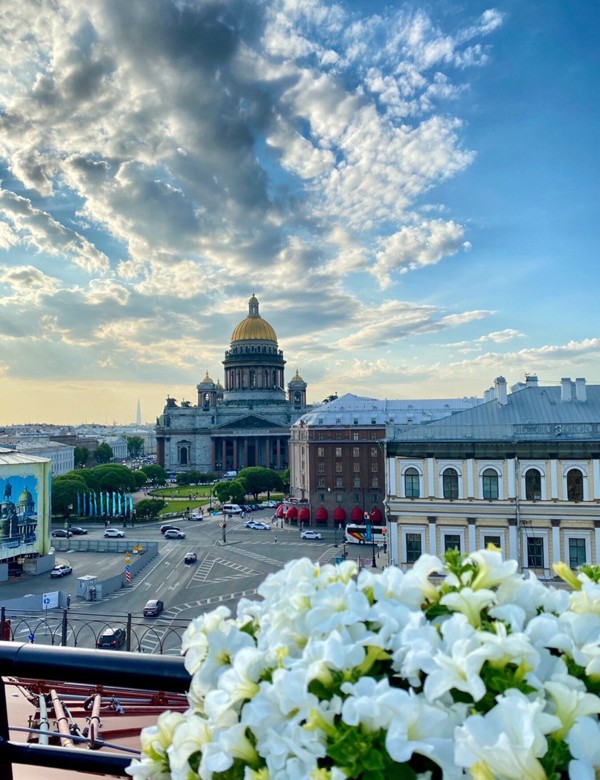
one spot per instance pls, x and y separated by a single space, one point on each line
338 452
321 483
355 421
451 542
450 483
321 452
374 481
535 553
320 468
489 480
339 497
414 547
411 483
533 485
355 452
338 468
338 420
339 482
577 556
495 540
373 420
355 436
574 485
356 468
321 495
373 452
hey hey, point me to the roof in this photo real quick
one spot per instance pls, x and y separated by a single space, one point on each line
349 408
530 413
253 327
11 458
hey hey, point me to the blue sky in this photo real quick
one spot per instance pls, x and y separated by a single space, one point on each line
410 189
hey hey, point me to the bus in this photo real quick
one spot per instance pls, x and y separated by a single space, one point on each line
357 534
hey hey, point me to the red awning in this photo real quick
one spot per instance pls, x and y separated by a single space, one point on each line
357 515
292 513
321 515
303 514
376 515
280 510
339 514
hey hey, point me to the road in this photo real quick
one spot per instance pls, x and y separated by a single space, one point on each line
223 574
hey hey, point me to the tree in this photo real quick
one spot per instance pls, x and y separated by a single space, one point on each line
150 507
260 480
285 480
81 456
89 476
135 446
231 491
155 474
64 493
104 453
140 478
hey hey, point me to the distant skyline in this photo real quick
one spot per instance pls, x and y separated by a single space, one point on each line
410 189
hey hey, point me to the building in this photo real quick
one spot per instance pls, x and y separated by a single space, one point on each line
243 422
118 445
337 454
24 510
521 471
62 456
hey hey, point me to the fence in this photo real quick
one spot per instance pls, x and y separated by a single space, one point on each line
77 665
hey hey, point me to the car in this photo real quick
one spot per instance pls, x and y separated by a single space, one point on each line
261 527
77 530
61 533
169 527
174 533
196 516
153 608
310 535
190 557
111 638
61 570
114 532
249 523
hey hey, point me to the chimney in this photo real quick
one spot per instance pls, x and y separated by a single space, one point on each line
565 388
580 390
489 394
501 391
531 380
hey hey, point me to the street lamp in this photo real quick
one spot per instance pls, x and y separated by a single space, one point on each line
335 544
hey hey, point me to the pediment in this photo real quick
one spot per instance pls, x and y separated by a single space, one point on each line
251 422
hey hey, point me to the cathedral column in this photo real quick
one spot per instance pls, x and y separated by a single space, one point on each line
234 464
278 453
223 453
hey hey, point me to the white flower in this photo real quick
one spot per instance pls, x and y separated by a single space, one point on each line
155 742
340 604
417 578
372 703
509 740
571 702
190 737
469 602
492 569
584 743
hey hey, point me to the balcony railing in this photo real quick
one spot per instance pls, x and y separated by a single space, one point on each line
132 671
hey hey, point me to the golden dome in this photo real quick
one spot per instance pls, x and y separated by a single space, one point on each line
297 377
207 380
253 327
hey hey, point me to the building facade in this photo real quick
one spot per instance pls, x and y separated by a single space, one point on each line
521 471
337 454
243 422
62 456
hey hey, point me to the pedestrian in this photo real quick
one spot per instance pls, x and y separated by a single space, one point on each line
68 601
275 539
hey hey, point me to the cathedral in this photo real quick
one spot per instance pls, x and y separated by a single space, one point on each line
246 421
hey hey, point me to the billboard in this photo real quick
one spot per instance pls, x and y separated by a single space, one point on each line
24 505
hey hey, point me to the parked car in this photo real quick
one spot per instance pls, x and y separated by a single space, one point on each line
61 570
77 530
310 535
190 557
114 532
169 527
174 533
261 527
112 638
153 608
61 533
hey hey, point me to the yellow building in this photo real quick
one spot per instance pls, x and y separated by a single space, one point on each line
521 471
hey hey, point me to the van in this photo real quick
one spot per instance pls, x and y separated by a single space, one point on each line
232 509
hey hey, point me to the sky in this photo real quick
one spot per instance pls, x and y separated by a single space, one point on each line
410 190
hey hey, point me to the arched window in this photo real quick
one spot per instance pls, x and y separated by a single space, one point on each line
574 485
183 456
533 485
411 483
489 484
450 483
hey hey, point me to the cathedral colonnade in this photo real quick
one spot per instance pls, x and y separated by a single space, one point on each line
235 452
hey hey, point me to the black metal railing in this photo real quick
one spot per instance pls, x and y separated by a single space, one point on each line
135 671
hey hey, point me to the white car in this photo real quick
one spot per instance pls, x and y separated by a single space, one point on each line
260 527
310 535
114 532
249 523
174 533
